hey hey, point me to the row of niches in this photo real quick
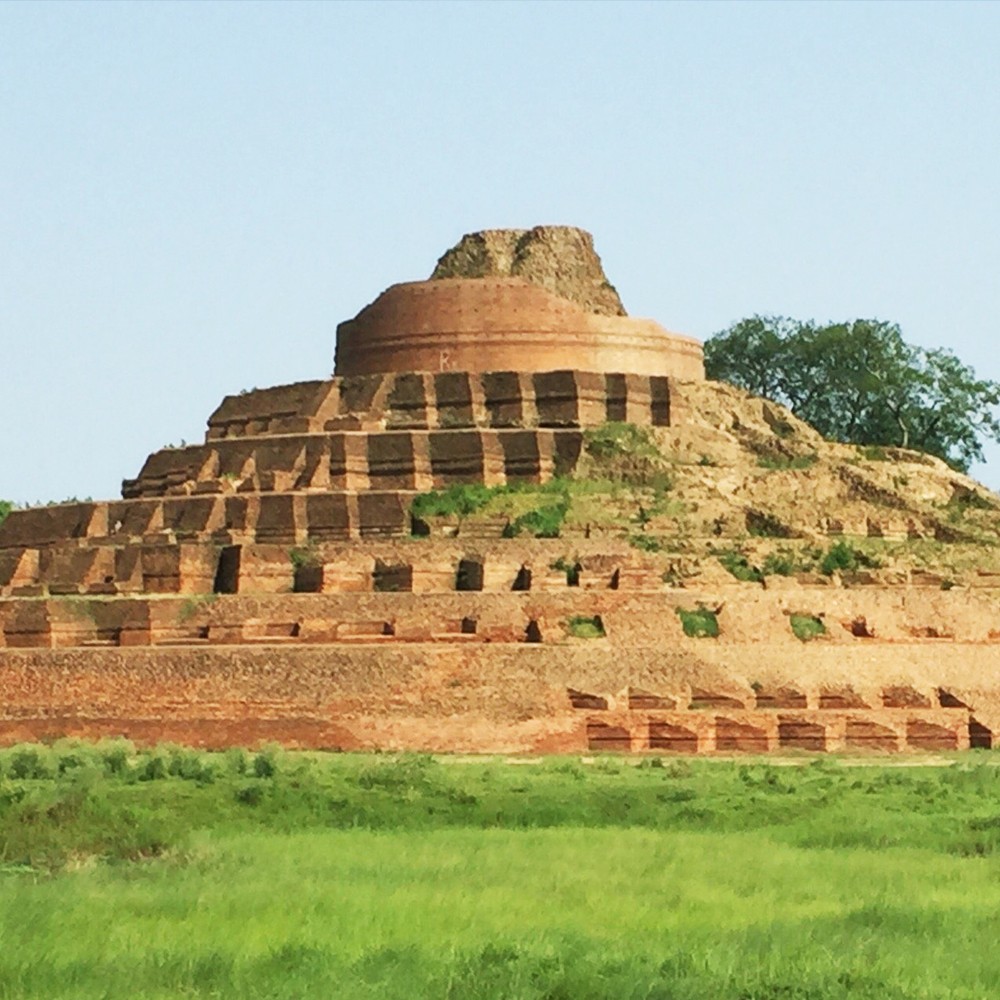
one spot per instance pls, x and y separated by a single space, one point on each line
231 570
446 400
762 698
407 461
864 732
550 617
187 628
106 570
79 625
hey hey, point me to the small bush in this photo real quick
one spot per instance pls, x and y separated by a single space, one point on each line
646 543
780 564
30 763
305 556
249 795
739 566
116 757
265 764
397 773
70 761
543 522
236 761
844 558
960 505
585 627
153 769
807 627
699 623
189 765
874 453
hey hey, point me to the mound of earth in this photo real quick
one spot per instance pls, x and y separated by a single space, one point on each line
741 489
560 259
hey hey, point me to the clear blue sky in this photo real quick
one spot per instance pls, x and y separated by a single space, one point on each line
192 195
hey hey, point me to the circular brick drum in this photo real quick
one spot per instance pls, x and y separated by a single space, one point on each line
503 324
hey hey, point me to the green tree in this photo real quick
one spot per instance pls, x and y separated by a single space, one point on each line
5 508
860 382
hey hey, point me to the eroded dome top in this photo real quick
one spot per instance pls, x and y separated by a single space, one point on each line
560 259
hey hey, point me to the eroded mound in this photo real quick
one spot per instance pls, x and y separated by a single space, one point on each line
560 259
740 489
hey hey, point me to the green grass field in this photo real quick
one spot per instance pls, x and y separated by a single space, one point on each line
178 874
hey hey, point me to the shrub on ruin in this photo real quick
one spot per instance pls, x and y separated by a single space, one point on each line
646 543
842 557
699 623
459 500
585 627
305 556
807 627
780 563
542 522
739 566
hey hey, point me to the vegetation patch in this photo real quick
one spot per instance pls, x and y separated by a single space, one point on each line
627 453
541 522
781 562
571 569
585 627
646 543
964 503
156 877
699 623
877 390
305 556
807 627
459 500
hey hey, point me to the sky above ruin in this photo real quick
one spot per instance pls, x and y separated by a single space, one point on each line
193 195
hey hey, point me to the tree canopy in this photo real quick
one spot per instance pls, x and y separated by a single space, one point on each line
5 508
860 382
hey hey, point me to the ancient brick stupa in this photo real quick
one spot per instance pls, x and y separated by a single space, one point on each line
301 577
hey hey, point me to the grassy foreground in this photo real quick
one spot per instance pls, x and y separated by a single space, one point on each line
179 874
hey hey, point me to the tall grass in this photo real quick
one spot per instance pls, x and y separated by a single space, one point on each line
287 875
